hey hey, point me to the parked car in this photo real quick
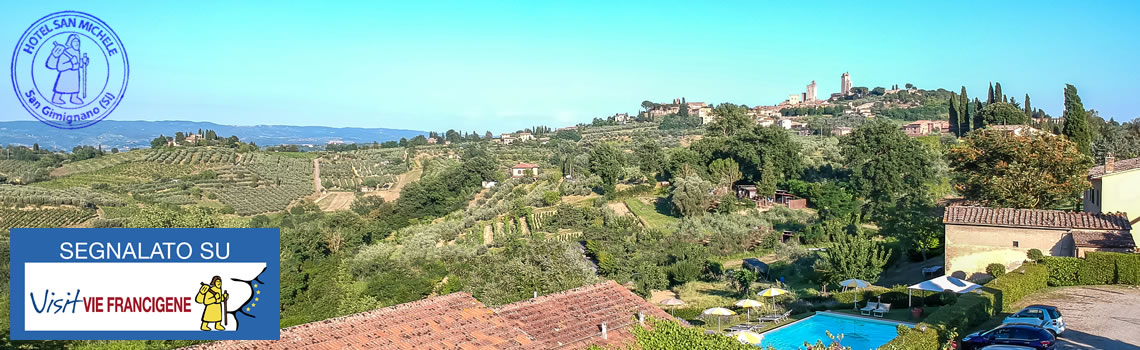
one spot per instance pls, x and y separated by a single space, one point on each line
1043 316
1012 334
1007 347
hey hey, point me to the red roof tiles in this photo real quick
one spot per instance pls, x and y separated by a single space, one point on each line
524 166
573 319
1103 239
1118 166
567 320
445 322
1034 218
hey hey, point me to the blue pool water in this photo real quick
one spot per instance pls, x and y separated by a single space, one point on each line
858 333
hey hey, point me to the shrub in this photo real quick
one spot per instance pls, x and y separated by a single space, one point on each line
1035 255
995 269
1062 270
1128 269
1096 269
948 297
913 339
1019 283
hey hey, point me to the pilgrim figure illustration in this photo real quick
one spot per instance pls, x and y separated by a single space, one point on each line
71 65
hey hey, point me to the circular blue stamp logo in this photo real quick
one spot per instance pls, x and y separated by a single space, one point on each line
70 70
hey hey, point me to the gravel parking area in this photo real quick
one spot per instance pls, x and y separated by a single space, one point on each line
1100 317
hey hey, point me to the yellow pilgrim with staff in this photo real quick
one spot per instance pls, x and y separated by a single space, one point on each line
215 300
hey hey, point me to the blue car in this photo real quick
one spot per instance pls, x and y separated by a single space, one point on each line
1012 334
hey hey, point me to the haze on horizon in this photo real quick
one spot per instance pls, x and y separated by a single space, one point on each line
504 66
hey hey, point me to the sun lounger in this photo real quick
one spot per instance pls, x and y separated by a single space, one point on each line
882 309
742 327
775 318
866 310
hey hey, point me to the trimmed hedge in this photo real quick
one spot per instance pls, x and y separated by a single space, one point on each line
1097 269
1062 270
913 339
1018 283
1128 269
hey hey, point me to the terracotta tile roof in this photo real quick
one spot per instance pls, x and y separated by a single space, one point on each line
1120 165
1103 239
567 320
572 319
1034 218
451 321
524 166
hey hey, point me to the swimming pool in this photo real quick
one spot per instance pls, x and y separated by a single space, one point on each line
858 333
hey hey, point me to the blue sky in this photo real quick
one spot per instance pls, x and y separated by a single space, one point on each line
505 65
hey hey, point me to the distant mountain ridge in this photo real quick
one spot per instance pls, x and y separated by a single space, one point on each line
137 134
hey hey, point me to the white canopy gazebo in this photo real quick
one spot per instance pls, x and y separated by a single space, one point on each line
939 284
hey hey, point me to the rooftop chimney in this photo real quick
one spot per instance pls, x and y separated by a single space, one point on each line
605 333
1109 163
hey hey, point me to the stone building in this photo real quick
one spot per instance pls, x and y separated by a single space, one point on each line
979 236
845 84
810 95
1115 188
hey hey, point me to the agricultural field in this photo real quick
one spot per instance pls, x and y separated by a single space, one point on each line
99 163
193 155
35 196
21 171
350 170
49 217
268 183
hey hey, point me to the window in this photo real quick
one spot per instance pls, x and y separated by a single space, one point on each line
1016 244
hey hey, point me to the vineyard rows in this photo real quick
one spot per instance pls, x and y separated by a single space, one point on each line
28 195
193 155
55 217
21 171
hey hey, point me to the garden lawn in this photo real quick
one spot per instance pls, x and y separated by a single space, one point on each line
652 218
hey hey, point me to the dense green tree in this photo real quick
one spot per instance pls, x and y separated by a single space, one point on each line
1000 169
990 97
1076 125
730 120
998 96
955 119
691 195
1028 110
885 165
650 156
1002 113
607 161
964 111
979 120
852 256
743 280
914 222
723 173
683 162
766 155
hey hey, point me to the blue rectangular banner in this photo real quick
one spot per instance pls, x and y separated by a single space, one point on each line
144 284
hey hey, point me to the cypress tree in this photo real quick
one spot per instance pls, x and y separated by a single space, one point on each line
997 93
955 123
1076 122
1028 111
990 98
964 107
979 122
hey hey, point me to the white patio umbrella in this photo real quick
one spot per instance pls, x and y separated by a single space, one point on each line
672 303
748 304
750 338
856 283
718 312
939 284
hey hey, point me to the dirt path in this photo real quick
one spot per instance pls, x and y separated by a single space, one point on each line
393 193
488 235
317 175
523 227
334 201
